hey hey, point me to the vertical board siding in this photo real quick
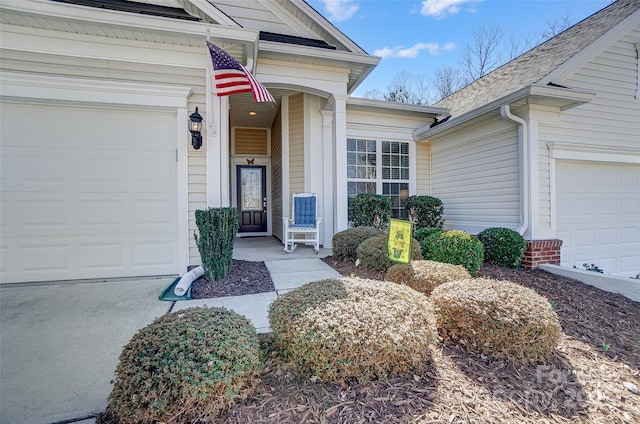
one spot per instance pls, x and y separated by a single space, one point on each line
475 174
423 151
296 143
276 176
251 141
138 73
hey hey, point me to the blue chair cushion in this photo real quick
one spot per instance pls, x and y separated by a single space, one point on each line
305 211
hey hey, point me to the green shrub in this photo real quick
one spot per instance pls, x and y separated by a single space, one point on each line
424 211
370 210
455 247
346 242
352 329
496 318
502 246
186 366
373 253
424 276
421 234
217 228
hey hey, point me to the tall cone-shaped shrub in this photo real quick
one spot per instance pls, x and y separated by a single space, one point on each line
217 228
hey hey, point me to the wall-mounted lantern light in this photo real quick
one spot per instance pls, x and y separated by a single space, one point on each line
195 126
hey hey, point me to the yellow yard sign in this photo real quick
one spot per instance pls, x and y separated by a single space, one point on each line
399 244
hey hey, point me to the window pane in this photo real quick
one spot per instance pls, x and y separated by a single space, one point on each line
398 192
404 148
405 174
351 158
351 144
351 172
372 146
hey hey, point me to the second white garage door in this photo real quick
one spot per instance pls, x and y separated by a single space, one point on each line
598 212
87 192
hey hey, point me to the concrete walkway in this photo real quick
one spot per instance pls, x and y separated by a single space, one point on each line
60 342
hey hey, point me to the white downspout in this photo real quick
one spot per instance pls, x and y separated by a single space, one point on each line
505 111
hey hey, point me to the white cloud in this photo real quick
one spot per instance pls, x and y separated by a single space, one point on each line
442 8
434 49
339 10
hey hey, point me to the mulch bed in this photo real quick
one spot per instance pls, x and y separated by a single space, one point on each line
246 277
589 379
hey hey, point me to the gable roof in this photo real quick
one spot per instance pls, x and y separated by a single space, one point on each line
533 66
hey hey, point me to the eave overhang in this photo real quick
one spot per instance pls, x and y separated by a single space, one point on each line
562 98
359 103
361 64
197 30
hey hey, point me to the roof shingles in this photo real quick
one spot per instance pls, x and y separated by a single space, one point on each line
537 63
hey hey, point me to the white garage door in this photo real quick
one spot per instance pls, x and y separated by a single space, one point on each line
598 211
87 192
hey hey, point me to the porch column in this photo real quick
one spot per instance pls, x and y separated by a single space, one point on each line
327 156
340 159
217 145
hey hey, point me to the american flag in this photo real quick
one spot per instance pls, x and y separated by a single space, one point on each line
231 77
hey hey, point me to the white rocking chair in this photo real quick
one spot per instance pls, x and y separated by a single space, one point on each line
305 222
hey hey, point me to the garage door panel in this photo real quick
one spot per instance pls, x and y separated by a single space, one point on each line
598 215
88 193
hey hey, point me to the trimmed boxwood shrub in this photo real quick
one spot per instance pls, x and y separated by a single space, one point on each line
352 328
499 319
424 276
346 242
186 366
424 211
370 210
217 228
502 246
455 247
373 254
421 234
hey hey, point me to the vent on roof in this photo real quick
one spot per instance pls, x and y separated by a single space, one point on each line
135 7
290 39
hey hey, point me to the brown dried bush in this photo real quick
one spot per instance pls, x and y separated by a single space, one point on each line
186 366
496 318
424 276
352 328
346 242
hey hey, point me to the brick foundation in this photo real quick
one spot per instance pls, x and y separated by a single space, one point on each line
541 252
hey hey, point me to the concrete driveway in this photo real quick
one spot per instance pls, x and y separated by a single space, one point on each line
59 345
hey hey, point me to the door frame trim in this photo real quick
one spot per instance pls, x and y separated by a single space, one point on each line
257 160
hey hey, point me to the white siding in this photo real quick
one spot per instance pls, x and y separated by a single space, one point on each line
612 118
131 72
475 174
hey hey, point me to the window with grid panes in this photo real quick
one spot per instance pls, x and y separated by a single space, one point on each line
382 167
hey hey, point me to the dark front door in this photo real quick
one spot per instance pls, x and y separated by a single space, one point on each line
252 198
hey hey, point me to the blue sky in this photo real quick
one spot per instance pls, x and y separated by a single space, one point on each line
420 36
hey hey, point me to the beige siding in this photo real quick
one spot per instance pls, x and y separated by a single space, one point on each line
423 174
611 119
276 176
475 174
296 143
251 141
131 72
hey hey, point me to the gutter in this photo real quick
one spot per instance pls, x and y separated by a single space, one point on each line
565 98
523 135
